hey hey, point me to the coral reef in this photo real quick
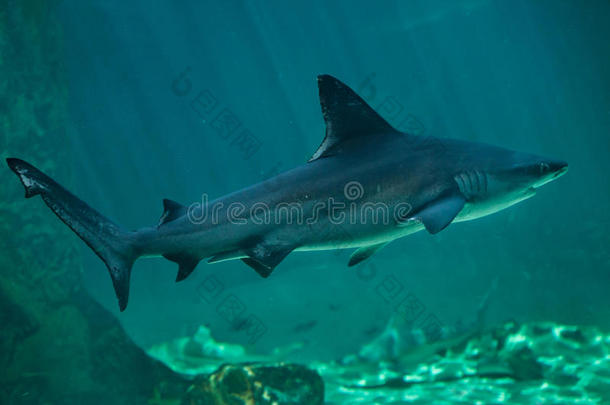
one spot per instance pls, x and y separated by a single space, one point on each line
520 364
539 362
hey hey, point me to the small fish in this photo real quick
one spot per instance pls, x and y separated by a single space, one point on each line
304 326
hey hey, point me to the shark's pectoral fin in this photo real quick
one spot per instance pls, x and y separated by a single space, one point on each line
437 215
364 253
171 211
186 264
264 258
348 117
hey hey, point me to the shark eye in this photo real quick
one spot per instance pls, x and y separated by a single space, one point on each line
544 167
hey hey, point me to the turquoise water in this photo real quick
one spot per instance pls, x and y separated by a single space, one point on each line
531 76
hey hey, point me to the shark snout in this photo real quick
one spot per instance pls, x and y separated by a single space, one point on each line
549 170
557 168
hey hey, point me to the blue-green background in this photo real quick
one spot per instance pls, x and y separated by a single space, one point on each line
529 75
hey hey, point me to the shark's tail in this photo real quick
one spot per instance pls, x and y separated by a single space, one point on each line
110 242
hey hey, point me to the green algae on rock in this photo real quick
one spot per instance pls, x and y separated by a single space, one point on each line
258 384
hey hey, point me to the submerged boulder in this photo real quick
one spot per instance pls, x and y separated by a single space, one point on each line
257 383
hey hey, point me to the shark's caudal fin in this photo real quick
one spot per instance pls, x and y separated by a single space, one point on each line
109 241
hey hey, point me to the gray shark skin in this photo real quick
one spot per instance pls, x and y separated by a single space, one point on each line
366 185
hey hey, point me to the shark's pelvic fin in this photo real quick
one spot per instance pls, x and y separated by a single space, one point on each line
228 255
364 253
264 257
186 264
437 215
171 211
347 117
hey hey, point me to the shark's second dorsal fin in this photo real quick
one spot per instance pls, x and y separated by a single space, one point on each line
347 116
171 211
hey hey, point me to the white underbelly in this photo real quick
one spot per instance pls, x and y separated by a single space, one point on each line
389 235
490 206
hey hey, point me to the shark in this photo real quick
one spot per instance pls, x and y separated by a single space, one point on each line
366 185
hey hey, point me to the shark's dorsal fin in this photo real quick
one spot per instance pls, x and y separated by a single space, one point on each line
171 211
347 117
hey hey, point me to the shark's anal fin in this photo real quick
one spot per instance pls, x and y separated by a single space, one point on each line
364 253
264 257
437 215
171 211
347 117
186 264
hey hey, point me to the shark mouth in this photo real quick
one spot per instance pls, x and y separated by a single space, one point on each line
560 172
